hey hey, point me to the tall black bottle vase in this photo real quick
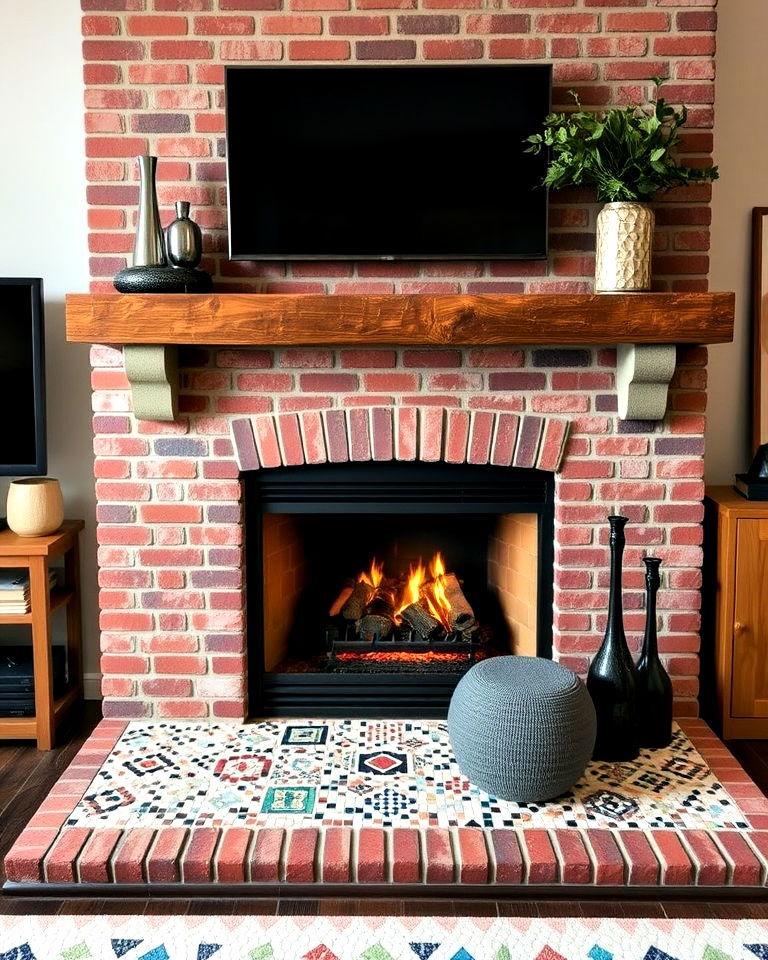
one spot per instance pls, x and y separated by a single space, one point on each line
654 688
612 678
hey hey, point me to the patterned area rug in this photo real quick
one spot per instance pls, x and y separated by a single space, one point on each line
383 773
377 938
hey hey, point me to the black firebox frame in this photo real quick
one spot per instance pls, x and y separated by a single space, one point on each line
423 488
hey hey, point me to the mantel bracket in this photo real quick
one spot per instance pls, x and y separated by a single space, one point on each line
643 374
153 373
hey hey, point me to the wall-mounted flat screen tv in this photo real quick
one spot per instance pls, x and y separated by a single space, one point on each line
22 377
372 162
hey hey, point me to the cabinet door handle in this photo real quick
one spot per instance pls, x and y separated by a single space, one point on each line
739 628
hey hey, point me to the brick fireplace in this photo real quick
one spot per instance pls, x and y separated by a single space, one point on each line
171 534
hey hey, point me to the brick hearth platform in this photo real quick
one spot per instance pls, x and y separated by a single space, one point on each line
62 846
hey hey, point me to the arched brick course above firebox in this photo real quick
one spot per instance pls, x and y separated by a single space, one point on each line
428 434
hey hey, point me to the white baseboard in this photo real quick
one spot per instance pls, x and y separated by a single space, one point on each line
92 686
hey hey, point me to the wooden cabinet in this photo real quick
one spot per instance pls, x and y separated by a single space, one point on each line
35 553
740 612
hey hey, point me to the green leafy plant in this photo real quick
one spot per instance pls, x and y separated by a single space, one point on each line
625 152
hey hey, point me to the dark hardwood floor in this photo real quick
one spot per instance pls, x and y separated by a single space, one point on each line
26 775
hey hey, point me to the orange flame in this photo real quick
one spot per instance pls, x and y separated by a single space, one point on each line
374 576
437 601
412 591
431 592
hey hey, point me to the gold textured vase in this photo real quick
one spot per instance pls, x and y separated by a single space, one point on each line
35 506
624 242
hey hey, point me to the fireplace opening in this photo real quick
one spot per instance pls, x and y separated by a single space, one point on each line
373 588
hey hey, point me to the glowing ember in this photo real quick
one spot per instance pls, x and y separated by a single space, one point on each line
392 656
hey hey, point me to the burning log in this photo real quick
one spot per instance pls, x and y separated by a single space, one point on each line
357 601
338 603
378 619
421 621
462 616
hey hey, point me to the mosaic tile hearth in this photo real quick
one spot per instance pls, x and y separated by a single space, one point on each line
382 773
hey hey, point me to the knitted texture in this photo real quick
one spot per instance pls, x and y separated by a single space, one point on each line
522 728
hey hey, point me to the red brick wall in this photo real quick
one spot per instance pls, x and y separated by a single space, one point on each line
170 538
154 74
169 515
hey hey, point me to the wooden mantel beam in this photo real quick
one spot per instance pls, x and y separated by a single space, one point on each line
644 326
237 319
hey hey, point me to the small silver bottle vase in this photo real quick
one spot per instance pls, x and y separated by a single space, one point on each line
148 248
183 239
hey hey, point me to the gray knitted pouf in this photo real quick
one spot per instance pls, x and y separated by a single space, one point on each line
522 728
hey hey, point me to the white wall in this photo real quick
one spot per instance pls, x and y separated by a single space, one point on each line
741 150
43 234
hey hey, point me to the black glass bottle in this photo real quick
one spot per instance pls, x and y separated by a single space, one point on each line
612 679
654 688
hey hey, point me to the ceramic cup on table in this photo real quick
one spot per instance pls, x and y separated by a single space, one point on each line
35 506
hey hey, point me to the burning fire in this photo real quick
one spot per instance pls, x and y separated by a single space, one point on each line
374 576
430 591
413 589
426 605
437 602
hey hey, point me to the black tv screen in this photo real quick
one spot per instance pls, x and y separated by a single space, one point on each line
370 162
22 391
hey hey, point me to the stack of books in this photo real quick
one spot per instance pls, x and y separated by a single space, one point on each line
14 591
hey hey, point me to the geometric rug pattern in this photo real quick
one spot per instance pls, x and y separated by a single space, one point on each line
385 773
377 938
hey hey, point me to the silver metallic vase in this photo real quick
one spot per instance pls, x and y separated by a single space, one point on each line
183 239
148 247
624 244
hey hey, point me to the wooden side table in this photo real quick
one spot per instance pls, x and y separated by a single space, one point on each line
35 553
741 613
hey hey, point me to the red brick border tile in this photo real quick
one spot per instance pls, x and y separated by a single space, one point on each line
709 866
337 855
406 855
539 854
643 867
61 863
24 861
164 858
371 855
266 855
198 860
128 861
473 855
439 855
95 857
232 855
676 866
301 854
508 856
610 868
744 867
571 851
